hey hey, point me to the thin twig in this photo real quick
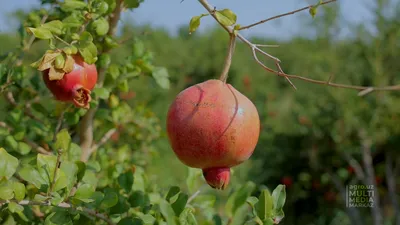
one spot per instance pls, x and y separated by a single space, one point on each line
193 196
64 205
59 152
103 140
254 48
284 14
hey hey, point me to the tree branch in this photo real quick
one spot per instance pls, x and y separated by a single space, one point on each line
357 167
282 15
255 49
65 205
370 176
86 125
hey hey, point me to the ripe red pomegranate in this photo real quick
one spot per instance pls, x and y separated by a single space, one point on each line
286 180
214 127
75 86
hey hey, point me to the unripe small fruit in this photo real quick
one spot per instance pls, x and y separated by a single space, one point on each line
75 86
214 127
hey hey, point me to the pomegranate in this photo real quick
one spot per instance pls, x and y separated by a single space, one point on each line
75 86
287 181
214 127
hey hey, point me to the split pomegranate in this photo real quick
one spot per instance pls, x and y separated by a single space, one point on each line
75 86
214 127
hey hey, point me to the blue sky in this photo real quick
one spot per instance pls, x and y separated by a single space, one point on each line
172 13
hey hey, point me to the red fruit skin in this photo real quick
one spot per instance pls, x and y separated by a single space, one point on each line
217 177
83 76
212 125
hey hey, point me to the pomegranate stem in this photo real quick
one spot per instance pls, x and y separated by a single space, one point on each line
228 59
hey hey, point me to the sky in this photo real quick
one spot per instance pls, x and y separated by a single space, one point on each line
170 14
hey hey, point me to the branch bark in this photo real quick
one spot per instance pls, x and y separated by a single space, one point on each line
86 125
370 176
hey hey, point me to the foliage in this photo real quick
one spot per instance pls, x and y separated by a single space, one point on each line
48 175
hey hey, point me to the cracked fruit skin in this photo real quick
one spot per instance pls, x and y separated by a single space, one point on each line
75 86
214 127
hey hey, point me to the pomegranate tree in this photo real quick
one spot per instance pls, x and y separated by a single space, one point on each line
214 127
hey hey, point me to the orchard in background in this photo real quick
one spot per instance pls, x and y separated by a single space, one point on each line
57 165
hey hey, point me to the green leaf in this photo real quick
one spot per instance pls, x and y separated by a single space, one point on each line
167 212
252 201
61 217
194 24
19 190
81 170
130 221
265 205
70 170
125 180
31 175
84 193
89 53
240 216
278 216
11 143
102 93
8 165
187 217
101 7
14 207
239 198
63 140
179 205
123 86
61 181
41 33
56 199
131 4
313 11
71 5
101 26
54 27
23 148
110 199
46 165
160 75
6 192
172 194
113 70
138 199
226 17
279 197
72 21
